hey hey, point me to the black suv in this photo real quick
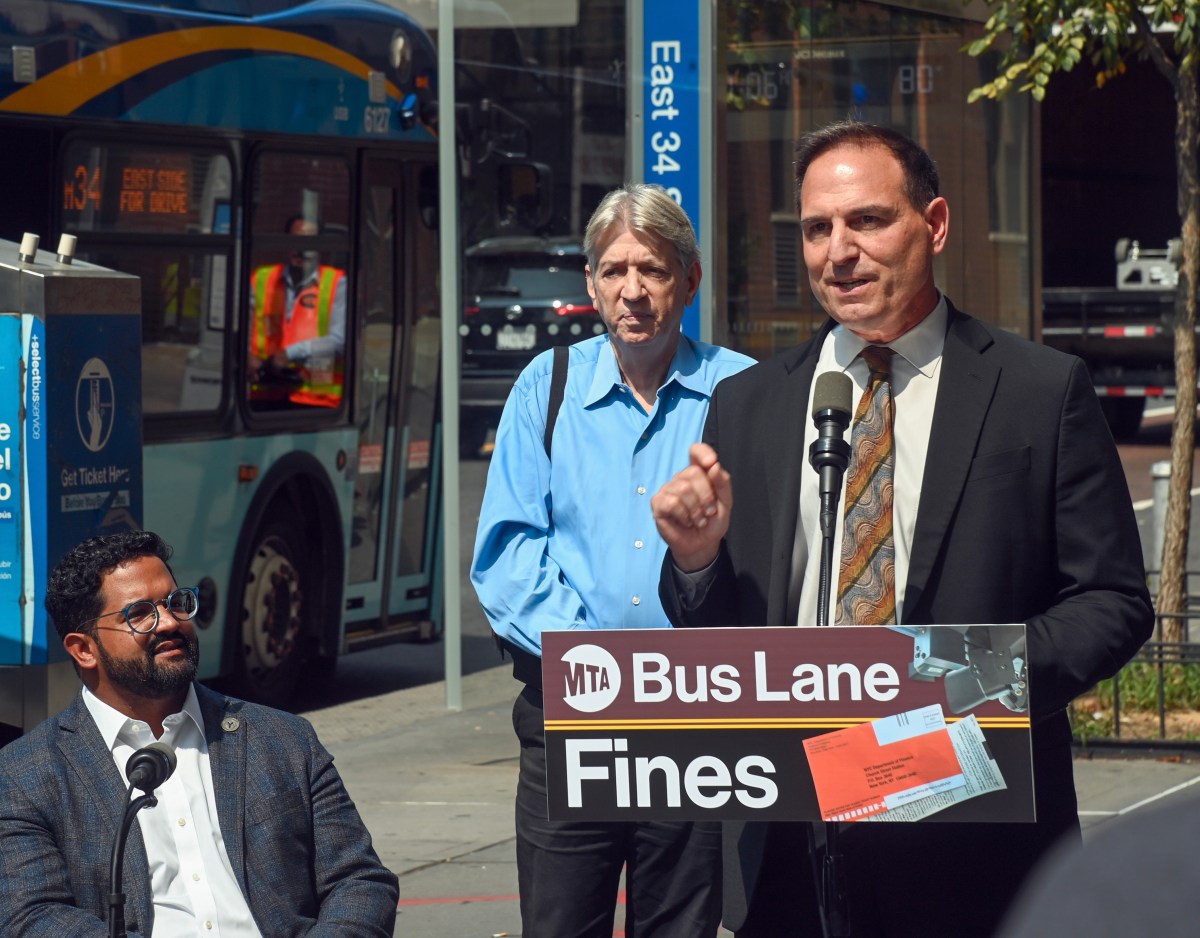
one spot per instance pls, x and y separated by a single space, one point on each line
523 295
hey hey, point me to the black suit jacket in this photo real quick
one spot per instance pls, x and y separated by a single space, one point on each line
1024 516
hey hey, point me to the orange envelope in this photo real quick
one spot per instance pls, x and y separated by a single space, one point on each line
869 768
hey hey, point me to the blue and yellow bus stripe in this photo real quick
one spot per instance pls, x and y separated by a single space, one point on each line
69 88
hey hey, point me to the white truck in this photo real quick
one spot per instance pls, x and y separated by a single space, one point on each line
1124 333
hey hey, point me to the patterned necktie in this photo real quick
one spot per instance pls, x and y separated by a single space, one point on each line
867 581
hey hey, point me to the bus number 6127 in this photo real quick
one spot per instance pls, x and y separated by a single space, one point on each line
376 120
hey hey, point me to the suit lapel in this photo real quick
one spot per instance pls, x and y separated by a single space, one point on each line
99 781
82 746
786 460
968 380
225 732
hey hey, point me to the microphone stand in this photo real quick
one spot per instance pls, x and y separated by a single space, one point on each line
116 898
830 455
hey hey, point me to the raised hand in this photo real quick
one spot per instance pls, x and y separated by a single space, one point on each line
692 510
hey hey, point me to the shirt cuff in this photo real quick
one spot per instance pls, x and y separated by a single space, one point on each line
693 587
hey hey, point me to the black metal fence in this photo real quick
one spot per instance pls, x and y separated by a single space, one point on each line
1153 703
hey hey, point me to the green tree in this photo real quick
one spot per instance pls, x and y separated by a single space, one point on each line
1035 39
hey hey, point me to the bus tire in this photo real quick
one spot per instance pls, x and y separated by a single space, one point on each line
274 615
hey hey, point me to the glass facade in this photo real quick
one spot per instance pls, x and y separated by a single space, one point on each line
541 85
791 67
549 83
543 82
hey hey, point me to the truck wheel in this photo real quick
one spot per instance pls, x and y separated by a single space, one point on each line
1122 250
1124 416
273 615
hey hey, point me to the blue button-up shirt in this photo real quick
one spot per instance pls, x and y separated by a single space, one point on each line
570 543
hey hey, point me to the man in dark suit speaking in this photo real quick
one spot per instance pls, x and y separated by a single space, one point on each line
983 487
253 833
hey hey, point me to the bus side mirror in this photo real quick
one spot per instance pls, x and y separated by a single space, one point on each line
525 192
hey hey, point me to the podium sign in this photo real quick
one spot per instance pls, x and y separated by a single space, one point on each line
854 723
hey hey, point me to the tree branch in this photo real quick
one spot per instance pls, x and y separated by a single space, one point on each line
1162 58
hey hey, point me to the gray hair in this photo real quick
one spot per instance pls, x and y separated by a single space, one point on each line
642 207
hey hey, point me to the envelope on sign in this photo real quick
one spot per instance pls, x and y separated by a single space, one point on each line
872 767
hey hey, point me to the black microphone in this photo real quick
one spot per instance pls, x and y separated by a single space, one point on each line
150 766
146 769
829 454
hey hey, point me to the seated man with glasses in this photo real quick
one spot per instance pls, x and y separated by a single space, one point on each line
253 833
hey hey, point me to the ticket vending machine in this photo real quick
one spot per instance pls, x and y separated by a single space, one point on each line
70 448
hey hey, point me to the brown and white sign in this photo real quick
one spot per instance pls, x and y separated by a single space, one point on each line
711 723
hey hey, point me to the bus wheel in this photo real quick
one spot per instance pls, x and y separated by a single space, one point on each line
273 615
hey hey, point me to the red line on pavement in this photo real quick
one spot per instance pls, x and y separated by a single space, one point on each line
464 899
450 899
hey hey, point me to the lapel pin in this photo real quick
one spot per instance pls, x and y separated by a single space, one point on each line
230 724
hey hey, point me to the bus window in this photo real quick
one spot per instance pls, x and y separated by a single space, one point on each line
381 326
298 289
164 214
416 544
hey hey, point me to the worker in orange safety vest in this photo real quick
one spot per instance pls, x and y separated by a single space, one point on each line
298 328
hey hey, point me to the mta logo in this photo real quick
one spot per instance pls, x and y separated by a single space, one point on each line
592 679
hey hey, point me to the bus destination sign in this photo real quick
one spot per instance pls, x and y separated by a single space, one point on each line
114 189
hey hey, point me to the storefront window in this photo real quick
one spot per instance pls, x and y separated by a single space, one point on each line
792 67
541 88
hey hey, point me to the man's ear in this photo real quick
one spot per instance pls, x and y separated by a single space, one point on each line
82 649
937 217
694 276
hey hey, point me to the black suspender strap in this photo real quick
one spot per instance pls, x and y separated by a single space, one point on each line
527 667
558 386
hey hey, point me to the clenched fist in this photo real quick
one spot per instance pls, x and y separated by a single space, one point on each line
692 510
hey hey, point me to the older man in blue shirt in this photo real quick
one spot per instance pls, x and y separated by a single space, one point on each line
566 540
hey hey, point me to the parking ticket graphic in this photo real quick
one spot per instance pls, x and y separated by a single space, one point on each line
788 724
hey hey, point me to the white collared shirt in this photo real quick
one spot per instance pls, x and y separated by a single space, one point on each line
916 368
191 879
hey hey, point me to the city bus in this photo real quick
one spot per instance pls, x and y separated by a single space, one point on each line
258 164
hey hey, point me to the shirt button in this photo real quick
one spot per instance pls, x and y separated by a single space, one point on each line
182 822
208 925
641 490
638 543
637 600
196 877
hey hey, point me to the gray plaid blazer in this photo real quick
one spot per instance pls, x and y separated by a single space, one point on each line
299 850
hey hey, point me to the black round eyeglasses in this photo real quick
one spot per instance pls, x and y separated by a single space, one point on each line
142 616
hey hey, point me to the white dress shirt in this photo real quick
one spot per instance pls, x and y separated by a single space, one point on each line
916 367
191 880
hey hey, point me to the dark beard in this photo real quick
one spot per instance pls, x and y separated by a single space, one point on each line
148 677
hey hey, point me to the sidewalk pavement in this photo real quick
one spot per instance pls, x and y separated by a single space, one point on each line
436 788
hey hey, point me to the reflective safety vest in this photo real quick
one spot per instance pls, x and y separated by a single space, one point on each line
272 331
